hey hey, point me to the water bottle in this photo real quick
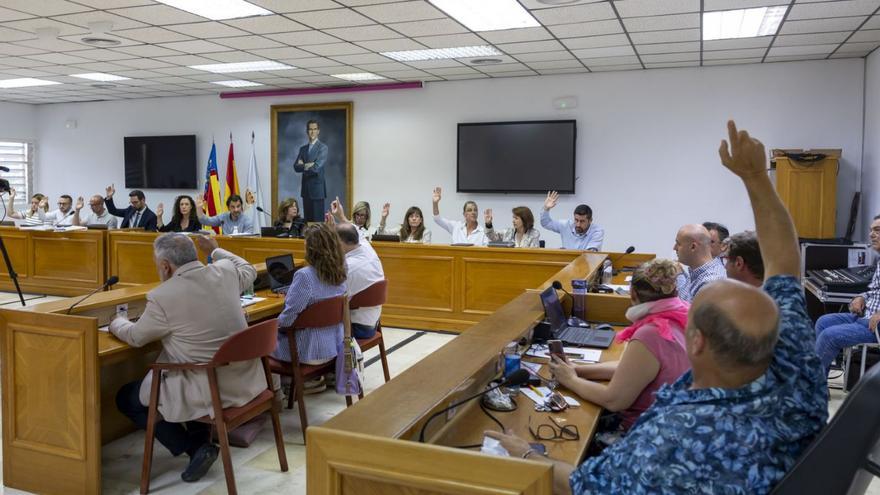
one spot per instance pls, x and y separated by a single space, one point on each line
607 272
579 299
235 230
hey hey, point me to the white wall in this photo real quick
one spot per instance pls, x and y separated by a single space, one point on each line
871 158
18 121
647 147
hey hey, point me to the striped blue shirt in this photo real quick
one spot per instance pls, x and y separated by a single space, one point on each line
872 295
691 283
313 344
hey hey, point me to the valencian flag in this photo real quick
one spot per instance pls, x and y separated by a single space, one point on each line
213 204
231 175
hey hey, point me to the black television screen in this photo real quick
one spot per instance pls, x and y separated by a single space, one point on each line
524 157
160 162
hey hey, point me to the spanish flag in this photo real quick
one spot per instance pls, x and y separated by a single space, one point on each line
213 204
231 175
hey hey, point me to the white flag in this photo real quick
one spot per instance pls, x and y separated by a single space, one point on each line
253 185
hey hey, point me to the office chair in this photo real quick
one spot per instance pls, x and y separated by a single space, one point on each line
841 459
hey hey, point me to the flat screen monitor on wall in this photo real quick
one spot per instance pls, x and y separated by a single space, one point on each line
160 162
517 157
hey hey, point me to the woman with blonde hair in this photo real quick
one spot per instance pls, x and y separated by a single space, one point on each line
360 217
33 215
288 219
322 278
522 234
412 229
654 355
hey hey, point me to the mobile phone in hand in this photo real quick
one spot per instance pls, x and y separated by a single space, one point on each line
555 347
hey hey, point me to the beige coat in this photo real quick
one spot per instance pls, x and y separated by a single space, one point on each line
193 313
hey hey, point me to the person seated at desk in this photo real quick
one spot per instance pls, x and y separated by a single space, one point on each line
692 245
836 331
522 234
360 217
466 232
289 221
63 216
98 216
412 230
755 397
137 214
363 269
184 218
718 234
36 212
232 221
322 278
578 233
742 259
192 312
655 353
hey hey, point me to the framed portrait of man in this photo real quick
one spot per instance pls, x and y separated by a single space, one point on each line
312 156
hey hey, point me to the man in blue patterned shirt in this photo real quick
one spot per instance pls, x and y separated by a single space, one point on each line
755 397
693 246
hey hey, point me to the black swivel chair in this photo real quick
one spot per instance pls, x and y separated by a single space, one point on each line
841 460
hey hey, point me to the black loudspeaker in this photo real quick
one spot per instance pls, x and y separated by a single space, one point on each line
541 333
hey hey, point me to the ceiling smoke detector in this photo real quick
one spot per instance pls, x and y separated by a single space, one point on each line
100 42
485 61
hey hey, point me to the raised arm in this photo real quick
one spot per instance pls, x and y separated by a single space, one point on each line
546 220
745 157
76 209
11 208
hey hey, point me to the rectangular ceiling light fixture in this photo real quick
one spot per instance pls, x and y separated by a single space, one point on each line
443 53
24 82
742 23
237 83
217 10
99 76
256 66
487 15
359 76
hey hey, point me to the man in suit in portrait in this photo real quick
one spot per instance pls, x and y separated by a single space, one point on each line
192 313
137 214
310 163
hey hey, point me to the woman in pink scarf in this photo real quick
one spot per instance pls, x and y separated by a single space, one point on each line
654 355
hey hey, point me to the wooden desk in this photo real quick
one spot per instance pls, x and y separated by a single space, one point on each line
457 370
60 378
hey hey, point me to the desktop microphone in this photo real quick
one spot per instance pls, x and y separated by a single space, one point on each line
5 169
264 212
629 250
558 286
517 378
110 281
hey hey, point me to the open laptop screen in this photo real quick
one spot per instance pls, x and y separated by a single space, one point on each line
553 309
280 269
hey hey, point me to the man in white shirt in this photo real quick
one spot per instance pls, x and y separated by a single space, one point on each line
364 269
98 216
63 216
467 232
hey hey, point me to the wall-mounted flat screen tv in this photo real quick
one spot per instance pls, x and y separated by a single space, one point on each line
160 162
517 157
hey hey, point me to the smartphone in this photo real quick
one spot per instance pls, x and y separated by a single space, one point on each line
555 347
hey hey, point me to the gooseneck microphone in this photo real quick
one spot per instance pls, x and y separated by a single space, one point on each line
110 281
558 286
516 379
264 212
619 257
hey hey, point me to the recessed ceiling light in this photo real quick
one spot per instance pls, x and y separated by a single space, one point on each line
487 15
259 65
99 76
742 23
218 9
237 83
25 82
358 76
100 42
443 53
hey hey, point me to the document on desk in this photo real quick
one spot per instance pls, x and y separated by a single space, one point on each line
574 354
247 301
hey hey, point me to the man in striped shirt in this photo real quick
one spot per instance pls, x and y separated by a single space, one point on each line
693 247
837 331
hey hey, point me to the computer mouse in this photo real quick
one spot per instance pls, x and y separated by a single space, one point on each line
604 326
576 322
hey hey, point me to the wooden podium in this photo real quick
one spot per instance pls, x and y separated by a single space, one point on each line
809 191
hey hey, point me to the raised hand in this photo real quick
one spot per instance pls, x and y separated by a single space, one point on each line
79 203
200 203
206 243
386 208
329 219
111 190
487 216
551 200
11 192
745 156
160 210
44 203
438 192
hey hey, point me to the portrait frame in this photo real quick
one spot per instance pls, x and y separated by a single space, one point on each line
286 137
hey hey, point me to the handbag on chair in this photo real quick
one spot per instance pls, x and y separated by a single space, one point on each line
349 361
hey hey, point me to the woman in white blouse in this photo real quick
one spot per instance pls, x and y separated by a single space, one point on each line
360 217
466 232
411 230
35 214
522 234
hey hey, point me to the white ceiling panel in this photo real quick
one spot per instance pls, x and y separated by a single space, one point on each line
612 51
114 4
531 47
860 54
793 58
662 22
668 65
636 8
556 64
394 45
577 13
285 6
332 49
31 26
56 45
450 40
361 58
544 56
195 46
821 25
363 33
208 30
605 61
401 12
840 8
324 19
83 19
280 53
44 7
866 35
739 43
811 39
7 34
302 38
12 15
385 67
689 46
710 5
428 28
733 61
269 24
858 47
611 68
516 35
147 51
581 29
780 51
873 22
248 42
151 35
158 15
671 36
725 54
143 63
596 41
309 62
58 59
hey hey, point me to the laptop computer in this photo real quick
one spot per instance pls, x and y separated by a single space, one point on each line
280 269
579 336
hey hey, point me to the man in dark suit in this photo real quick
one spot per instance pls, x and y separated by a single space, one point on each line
135 215
310 163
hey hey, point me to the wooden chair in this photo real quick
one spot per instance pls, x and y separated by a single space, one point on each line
374 295
324 313
254 342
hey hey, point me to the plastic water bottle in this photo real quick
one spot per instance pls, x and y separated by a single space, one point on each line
607 272
235 230
579 298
